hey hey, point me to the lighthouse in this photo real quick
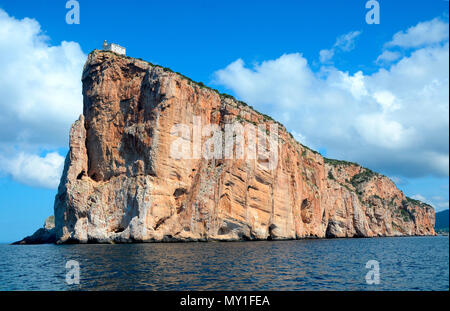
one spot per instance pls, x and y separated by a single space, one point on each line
114 48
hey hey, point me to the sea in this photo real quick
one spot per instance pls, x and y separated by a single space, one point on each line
372 264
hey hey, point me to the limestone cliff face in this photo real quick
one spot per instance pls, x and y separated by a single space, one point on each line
121 184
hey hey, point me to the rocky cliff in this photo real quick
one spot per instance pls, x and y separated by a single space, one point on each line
43 235
122 184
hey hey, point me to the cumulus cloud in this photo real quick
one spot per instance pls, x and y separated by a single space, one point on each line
344 43
34 170
424 33
40 96
394 120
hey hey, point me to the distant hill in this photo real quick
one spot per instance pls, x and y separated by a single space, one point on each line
441 221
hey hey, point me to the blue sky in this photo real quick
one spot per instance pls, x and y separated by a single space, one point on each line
228 45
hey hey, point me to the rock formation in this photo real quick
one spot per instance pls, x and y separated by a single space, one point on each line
45 235
120 183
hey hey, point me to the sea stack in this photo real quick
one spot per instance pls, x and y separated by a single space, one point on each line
121 184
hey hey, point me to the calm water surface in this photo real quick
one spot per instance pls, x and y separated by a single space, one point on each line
413 263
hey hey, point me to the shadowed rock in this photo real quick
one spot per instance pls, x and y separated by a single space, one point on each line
45 235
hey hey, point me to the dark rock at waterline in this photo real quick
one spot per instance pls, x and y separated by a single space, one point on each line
45 235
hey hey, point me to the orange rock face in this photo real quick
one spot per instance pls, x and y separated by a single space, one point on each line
121 182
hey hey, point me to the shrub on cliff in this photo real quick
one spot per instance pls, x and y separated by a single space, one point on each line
363 176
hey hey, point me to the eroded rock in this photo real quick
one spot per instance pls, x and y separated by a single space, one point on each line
120 183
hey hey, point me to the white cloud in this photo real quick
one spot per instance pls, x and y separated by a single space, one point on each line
326 55
290 73
419 197
439 203
379 131
34 170
442 205
388 57
344 43
355 84
394 120
347 42
424 33
397 180
40 95
387 101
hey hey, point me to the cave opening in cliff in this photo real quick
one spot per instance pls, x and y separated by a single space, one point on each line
271 235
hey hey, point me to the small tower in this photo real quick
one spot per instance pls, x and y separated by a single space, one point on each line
114 48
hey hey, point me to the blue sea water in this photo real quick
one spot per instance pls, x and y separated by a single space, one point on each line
409 263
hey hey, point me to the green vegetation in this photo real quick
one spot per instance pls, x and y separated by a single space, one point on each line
349 189
306 147
364 176
405 215
267 118
403 212
392 202
227 96
377 197
335 162
396 226
330 175
415 202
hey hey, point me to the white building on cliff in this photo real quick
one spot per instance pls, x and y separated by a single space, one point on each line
114 48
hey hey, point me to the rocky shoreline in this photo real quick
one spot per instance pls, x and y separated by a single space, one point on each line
44 235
